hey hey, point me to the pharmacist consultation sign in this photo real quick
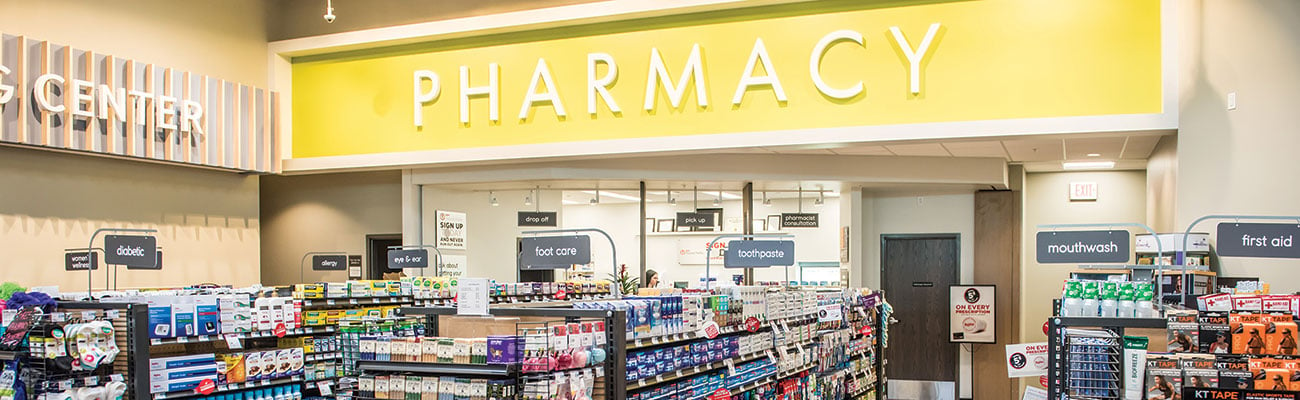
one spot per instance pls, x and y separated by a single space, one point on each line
1075 247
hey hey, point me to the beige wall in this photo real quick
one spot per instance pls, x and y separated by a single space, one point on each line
207 221
1242 161
224 39
1121 199
299 18
331 212
1162 185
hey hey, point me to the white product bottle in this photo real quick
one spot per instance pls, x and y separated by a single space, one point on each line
1127 307
1109 299
1091 305
1072 300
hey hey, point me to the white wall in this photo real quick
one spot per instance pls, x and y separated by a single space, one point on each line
620 220
1242 161
902 213
491 231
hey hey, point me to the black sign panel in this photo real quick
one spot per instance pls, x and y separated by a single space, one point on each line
554 252
538 218
1079 247
354 260
80 261
1259 240
329 263
694 219
131 251
415 258
758 253
157 265
799 220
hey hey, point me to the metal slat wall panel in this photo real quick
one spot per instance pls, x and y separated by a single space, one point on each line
207 118
236 123
111 132
20 88
68 76
169 138
45 117
92 124
264 163
219 132
130 132
186 144
149 126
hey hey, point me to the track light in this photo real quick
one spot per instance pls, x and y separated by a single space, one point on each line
718 200
528 198
329 11
492 199
671 200
595 199
821 198
766 201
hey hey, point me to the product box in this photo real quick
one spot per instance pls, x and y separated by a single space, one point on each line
1281 335
1270 374
207 371
1248 332
175 386
1247 303
1234 371
1215 337
235 371
254 369
160 317
163 363
183 316
207 315
1164 379
1199 371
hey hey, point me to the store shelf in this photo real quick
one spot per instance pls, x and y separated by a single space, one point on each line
315 357
65 384
355 301
1156 323
685 337
683 373
230 388
433 368
7 355
311 330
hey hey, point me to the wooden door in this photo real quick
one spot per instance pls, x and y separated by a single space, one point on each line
917 270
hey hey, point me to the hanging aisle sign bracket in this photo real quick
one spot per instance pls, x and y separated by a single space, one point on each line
127 255
613 251
1255 240
414 250
708 280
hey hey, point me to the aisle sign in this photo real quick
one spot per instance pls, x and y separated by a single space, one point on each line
450 230
1258 240
412 258
695 219
131 251
972 314
80 261
473 297
799 220
1079 247
554 252
1026 359
156 265
538 218
329 262
758 253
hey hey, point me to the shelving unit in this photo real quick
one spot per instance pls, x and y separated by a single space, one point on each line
1058 352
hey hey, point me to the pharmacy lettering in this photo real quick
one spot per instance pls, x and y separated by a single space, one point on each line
59 97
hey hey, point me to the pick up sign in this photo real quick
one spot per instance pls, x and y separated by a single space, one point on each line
413 258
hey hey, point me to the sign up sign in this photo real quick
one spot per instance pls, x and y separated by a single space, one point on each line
131 251
329 263
1074 247
758 253
1258 240
554 252
414 258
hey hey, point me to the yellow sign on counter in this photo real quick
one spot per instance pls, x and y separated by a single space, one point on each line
939 62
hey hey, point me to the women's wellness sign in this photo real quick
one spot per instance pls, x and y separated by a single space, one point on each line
971 314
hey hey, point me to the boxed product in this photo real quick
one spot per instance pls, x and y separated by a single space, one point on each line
1234 371
1282 335
234 370
1183 331
160 317
162 363
1164 377
1198 371
1214 333
183 316
254 369
1248 332
1270 374
207 315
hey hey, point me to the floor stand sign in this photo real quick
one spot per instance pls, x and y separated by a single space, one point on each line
564 254
129 250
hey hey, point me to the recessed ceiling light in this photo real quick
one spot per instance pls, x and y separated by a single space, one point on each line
1094 154
1088 165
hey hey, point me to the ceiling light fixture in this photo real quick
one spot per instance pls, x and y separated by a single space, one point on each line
671 200
821 199
1094 154
766 201
329 11
595 199
1080 165
568 202
612 195
717 201
492 199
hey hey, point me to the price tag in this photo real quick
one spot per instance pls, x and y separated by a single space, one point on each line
92 380
324 387
116 378
58 317
233 342
731 367
600 372
182 339
87 315
721 394
710 330
112 314
65 385
560 295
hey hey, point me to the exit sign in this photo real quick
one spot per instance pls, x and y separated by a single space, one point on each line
1083 191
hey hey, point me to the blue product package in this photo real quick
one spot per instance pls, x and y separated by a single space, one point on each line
160 318
207 315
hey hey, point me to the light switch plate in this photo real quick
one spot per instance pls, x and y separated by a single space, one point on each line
1232 101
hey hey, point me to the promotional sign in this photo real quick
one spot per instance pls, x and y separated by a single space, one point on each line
538 218
80 261
691 251
450 230
131 251
157 265
1080 247
17 328
799 220
972 315
1026 359
329 263
473 297
758 253
554 252
413 258
452 265
1258 240
695 219
830 313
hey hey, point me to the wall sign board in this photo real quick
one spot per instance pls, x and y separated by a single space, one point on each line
799 220
1258 240
130 250
1077 247
81 261
329 263
412 258
538 218
554 252
758 253
451 230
